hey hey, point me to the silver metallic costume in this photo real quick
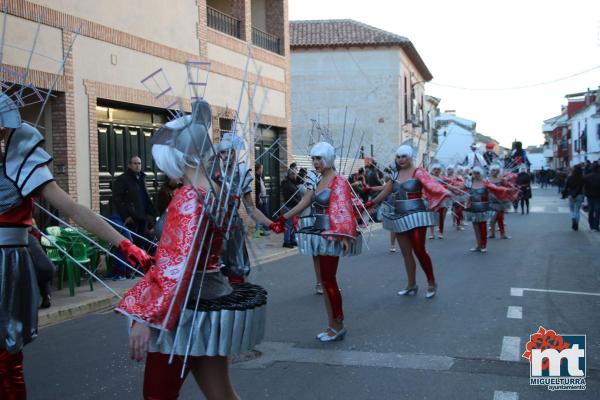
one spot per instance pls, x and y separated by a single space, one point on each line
311 227
479 206
23 171
218 318
405 208
235 261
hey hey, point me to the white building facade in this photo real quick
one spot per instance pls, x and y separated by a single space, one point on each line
355 81
585 133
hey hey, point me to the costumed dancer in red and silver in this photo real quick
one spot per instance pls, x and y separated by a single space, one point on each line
454 179
186 315
478 209
24 174
499 206
407 215
237 178
436 172
329 232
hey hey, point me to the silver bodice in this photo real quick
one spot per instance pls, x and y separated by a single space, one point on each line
406 196
479 200
320 204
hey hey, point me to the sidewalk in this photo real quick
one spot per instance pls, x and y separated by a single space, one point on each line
64 307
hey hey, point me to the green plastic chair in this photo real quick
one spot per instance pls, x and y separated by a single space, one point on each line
52 252
79 253
58 258
54 231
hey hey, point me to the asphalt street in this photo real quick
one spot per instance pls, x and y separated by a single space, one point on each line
466 343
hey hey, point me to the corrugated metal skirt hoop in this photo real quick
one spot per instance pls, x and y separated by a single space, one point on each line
19 299
224 326
312 243
482 216
503 206
405 222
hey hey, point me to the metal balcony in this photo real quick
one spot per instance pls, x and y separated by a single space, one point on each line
224 23
266 40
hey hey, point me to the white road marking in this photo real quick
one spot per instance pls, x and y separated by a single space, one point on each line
519 292
511 348
288 352
499 395
514 312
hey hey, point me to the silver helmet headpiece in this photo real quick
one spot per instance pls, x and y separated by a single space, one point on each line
188 134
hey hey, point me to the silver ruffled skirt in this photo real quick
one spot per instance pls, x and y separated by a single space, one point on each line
222 326
312 243
480 216
234 258
500 206
405 222
19 292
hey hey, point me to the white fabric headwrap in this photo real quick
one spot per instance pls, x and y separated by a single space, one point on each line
405 150
478 169
325 151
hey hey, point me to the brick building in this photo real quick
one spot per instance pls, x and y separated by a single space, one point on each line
101 113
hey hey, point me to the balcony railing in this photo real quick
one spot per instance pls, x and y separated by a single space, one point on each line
266 40
224 23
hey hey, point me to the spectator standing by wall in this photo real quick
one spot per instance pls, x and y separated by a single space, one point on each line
574 191
591 189
131 199
291 197
261 197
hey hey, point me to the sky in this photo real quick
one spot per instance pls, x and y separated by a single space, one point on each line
489 45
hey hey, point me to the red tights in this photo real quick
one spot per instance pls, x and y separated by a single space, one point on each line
482 226
328 266
417 239
442 215
458 214
500 221
12 379
162 381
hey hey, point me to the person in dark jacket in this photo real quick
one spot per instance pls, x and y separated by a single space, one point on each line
591 189
574 191
291 197
132 201
524 184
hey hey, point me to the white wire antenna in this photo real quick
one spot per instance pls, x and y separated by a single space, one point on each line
15 80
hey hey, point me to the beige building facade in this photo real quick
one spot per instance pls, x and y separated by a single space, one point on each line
345 71
101 113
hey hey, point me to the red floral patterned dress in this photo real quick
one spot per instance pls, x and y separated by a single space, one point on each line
157 299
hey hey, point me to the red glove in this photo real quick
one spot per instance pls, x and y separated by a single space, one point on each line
369 204
295 222
134 255
278 226
367 189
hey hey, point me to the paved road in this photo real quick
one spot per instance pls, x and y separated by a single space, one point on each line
460 345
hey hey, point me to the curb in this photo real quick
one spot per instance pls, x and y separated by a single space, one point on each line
57 315
105 302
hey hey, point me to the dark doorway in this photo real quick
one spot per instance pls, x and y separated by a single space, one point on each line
122 133
271 165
